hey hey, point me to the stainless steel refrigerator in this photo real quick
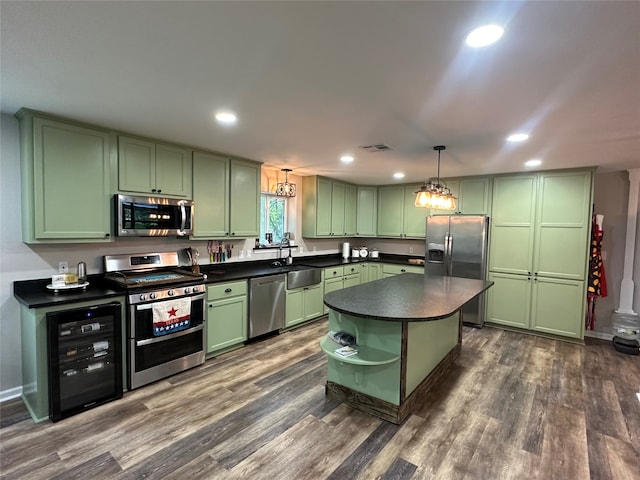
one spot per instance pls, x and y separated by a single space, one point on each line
456 246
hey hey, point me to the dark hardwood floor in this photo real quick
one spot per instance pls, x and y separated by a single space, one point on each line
513 406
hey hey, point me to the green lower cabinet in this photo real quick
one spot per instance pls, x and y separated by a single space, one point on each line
370 271
390 269
509 300
303 304
331 285
351 280
547 305
226 315
557 307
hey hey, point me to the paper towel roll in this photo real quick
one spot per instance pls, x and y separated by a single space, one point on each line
346 250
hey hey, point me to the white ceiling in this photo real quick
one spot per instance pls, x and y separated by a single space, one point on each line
313 80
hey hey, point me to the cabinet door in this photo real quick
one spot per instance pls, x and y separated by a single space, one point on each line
509 300
294 307
71 171
244 199
136 165
563 225
390 211
557 307
338 191
415 218
474 196
323 207
351 280
512 228
211 195
367 211
375 271
226 323
313 306
331 285
173 171
350 210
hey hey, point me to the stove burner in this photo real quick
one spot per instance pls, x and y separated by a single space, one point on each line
156 277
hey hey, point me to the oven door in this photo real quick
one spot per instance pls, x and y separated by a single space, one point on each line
152 358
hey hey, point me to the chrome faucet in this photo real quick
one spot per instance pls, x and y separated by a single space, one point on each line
285 243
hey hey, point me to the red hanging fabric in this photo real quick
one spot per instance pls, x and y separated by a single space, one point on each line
597 283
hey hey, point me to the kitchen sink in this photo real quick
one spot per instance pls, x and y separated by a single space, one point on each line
303 277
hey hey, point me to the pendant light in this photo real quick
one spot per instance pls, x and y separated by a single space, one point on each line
286 189
434 193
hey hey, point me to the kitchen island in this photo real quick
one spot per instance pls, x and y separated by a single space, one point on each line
408 331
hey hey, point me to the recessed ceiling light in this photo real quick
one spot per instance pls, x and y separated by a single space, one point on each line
533 163
346 159
485 35
398 175
226 117
518 137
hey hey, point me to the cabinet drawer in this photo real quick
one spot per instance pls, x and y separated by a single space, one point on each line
333 272
226 290
351 269
398 269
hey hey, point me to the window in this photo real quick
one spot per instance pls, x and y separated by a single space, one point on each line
273 218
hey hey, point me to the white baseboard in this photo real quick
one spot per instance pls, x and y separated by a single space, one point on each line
10 394
600 335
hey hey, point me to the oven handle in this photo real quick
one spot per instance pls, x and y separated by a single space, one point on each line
149 341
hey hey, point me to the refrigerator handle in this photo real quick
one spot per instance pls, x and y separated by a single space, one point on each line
448 240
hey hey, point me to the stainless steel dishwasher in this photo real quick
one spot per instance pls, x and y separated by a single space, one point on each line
266 304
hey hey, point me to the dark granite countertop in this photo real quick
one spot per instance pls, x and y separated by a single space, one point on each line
34 293
407 297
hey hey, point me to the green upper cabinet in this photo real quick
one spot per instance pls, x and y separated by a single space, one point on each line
226 193
350 210
151 168
211 195
328 208
63 165
512 224
397 214
367 211
563 225
474 196
244 199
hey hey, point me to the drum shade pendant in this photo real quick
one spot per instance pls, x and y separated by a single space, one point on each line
286 189
434 193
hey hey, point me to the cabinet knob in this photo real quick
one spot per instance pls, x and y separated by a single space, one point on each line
228 290
153 190
402 270
159 190
107 235
233 233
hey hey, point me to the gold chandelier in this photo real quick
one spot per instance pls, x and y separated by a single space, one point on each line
286 189
434 193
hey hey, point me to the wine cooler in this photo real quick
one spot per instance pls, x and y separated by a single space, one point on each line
85 358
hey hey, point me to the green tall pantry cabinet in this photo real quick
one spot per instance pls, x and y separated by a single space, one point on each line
65 164
539 250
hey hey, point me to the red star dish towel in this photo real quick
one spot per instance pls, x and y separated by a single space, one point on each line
171 316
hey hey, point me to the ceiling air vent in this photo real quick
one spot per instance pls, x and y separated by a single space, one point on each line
378 147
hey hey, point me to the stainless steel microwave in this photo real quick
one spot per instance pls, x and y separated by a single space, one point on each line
153 216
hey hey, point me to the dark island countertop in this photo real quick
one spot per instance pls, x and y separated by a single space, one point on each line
407 298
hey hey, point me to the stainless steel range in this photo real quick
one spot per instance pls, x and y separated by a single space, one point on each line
165 314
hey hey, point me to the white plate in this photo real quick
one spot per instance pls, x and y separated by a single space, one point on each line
71 286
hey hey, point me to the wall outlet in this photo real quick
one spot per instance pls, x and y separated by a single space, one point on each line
410 249
63 267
